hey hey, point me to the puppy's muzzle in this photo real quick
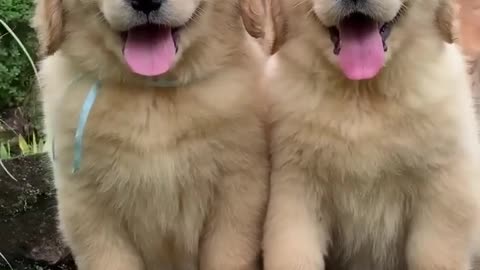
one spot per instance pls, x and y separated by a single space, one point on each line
348 7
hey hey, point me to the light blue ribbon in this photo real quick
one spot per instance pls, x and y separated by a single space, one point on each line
85 111
82 121
75 80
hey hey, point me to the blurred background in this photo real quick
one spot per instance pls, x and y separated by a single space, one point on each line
19 110
469 38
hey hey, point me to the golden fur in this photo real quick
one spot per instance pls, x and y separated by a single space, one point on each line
377 174
258 19
171 178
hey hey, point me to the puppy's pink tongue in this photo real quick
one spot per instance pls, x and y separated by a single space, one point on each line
361 55
149 50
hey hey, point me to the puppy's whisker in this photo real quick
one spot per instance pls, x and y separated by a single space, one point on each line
199 12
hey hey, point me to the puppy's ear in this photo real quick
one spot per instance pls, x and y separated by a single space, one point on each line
48 23
446 20
279 23
253 15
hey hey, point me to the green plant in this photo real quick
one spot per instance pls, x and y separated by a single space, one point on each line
34 147
17 78
25 148
5 151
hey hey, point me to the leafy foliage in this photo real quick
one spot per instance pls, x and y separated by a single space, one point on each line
17 79
23 147
5 151
33 147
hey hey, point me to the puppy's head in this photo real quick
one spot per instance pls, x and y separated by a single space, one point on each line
143 37
360 36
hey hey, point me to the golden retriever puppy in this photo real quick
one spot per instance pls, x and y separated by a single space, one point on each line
375 156
171 171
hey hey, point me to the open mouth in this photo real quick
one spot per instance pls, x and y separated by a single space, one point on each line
150 49
360 44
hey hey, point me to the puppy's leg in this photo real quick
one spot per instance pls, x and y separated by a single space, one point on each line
232 239
97 240
294 238
443 226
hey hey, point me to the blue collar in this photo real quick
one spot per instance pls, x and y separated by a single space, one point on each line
85 111
82 121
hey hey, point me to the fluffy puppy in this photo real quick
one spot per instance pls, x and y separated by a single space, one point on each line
174 172
375 156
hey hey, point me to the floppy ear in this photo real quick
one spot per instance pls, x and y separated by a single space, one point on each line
48 23
446 20
253 16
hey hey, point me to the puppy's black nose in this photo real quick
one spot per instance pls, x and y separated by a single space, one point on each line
356 2
146 6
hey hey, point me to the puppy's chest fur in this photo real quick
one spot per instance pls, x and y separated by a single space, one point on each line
366 163
154 159
361 144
